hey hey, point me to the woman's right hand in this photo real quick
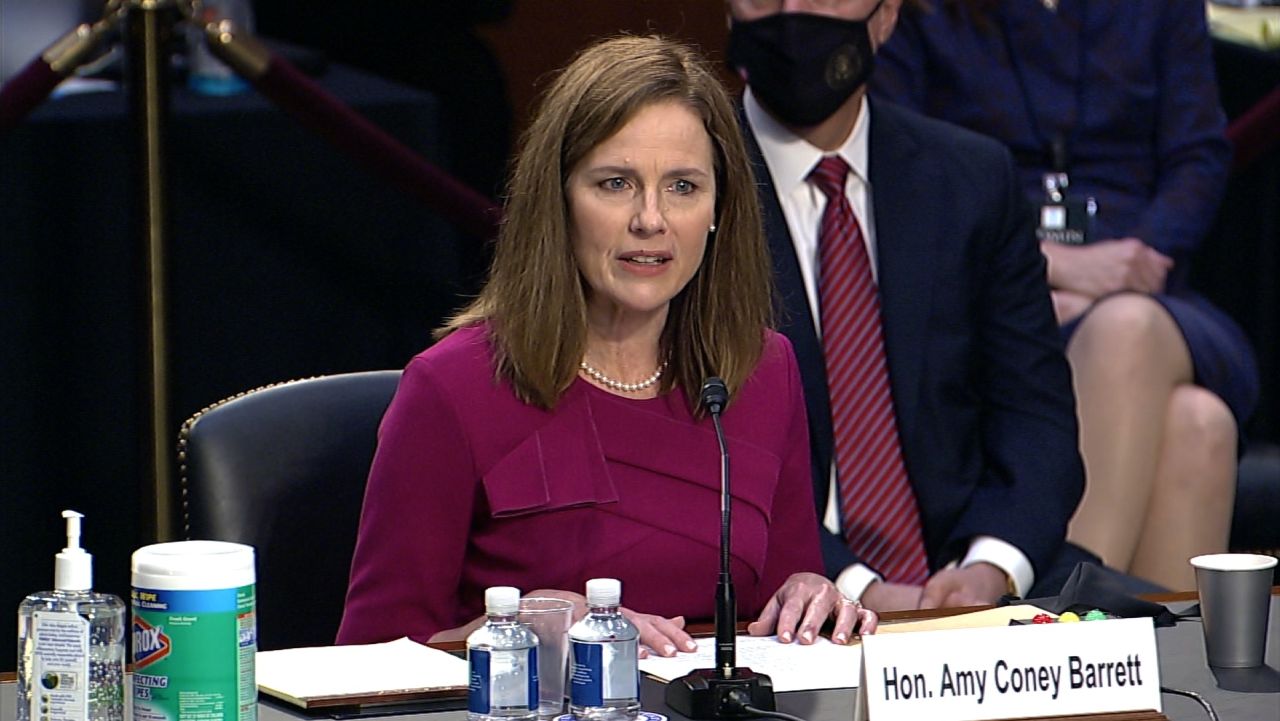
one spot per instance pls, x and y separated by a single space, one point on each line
460 633
1106 266
578 600
660 635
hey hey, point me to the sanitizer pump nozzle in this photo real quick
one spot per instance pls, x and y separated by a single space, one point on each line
73 567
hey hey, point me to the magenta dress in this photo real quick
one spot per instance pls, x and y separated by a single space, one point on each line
472 488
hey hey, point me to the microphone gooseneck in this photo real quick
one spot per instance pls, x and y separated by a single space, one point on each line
714 397
726 691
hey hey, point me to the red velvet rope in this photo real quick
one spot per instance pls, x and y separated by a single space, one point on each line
1256 132
315 108
25 91
1253 135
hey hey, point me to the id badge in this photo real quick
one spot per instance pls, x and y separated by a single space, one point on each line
1064 219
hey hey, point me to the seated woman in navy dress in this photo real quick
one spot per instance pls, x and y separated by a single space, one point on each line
552 435
1120 98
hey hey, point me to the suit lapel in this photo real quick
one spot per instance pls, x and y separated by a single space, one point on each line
901 183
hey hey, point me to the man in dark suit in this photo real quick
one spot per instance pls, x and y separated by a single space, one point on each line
980 393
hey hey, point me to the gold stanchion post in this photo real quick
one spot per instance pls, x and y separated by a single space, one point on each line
149 37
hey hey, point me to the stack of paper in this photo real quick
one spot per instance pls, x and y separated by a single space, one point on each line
999 616
794 667
399 670
791 666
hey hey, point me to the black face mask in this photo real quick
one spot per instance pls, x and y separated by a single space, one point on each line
802 67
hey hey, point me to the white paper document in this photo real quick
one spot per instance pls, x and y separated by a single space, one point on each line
299 674
791 666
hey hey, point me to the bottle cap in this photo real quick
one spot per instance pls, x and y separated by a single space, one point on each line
604 592
501 600
73 567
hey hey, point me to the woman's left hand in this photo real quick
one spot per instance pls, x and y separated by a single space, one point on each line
799 608
660 635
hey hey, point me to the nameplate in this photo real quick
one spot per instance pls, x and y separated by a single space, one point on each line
976 674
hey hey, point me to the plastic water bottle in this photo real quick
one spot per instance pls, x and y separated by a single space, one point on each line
604 649
503 654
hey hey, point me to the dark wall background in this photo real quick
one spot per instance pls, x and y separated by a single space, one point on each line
538 37
287 260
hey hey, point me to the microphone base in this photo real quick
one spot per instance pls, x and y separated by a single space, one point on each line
706 694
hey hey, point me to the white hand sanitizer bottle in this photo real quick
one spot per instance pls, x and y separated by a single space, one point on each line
71 644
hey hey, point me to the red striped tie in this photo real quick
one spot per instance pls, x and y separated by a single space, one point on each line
877 505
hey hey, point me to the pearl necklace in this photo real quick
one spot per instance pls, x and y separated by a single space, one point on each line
608 382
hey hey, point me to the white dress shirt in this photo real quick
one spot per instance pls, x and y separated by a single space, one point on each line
790 159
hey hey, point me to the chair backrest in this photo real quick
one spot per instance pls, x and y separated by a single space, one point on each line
283 469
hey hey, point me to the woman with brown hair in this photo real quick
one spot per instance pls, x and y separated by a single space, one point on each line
552 435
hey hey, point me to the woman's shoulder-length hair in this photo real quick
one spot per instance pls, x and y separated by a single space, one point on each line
534 300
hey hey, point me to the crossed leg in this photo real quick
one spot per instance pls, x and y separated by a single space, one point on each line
1159 452
1195 489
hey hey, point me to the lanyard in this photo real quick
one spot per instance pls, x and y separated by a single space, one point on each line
1057 148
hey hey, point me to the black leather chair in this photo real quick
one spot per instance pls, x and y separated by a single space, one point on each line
1254 527
283 469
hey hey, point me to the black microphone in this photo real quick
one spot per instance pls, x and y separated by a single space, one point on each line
723 692
714 397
